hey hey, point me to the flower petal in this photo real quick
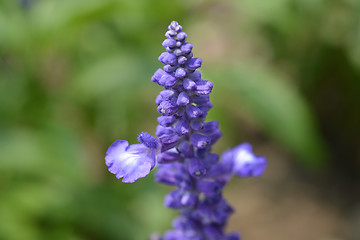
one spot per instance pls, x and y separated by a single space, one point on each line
246 164
129 162
115 149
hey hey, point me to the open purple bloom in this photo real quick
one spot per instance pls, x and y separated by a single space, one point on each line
134 161
245 163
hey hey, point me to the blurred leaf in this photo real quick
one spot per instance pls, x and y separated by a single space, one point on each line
50 154
105 76
278 107
50 17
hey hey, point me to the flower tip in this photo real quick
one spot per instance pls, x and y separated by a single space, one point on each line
175 26
174 23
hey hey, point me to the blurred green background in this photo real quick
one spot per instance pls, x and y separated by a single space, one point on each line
75 76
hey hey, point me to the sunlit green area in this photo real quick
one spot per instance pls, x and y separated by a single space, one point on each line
75 76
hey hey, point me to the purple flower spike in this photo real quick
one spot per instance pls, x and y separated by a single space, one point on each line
246 164
130 162
182 151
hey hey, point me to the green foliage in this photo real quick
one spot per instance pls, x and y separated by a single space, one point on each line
278 108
